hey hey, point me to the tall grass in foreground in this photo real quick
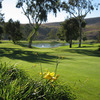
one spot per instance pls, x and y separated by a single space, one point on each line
16 85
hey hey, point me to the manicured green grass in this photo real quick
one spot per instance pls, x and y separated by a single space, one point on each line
80 67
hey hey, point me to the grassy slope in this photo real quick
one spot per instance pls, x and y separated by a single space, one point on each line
80 67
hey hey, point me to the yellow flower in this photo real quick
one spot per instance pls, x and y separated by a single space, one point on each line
40 73
36 54
55 78
43 73
52 74
49 75
34 65
59 56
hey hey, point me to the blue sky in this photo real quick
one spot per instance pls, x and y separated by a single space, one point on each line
10 11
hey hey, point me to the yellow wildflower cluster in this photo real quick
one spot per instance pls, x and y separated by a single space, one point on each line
61 57
50 76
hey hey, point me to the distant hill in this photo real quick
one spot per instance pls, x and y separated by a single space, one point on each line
90 21
91 30
52 24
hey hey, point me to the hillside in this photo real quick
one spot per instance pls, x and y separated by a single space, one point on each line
91 30
89 21
48 30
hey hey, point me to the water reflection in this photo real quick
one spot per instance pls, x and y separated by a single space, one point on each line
48 45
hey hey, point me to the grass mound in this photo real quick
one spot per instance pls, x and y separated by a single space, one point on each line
16 85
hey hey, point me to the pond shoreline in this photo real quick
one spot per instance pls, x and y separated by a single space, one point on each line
48 45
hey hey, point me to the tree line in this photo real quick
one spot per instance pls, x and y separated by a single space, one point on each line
37 12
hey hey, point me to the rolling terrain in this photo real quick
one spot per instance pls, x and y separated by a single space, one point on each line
90 31
48 30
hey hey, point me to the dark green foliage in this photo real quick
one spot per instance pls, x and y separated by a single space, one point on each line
1 4
61 34
52 34
13 30
69 30
84 38
99 48
38 9
1 18
26 30
1 31
15 85
1 15
98 37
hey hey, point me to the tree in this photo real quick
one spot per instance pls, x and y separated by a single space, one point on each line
13 29
1 3
26 29
1 20
69 30
36 11
52 34
98 36
78 9
1 31
1 15
84 38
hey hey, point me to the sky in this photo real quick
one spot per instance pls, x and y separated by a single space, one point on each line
10 11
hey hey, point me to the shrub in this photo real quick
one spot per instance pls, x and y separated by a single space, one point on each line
16 85
98 37
99 48
84 38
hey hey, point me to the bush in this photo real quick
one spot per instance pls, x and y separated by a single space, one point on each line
16 85
84 38
99 48
98 37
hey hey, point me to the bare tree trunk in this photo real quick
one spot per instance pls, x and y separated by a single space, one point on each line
13 41
32 35
30 40
80 28
80 38
70 43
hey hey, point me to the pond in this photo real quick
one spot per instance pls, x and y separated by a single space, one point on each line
49 45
